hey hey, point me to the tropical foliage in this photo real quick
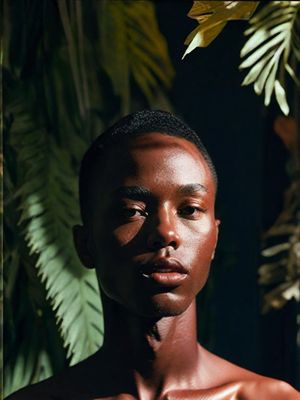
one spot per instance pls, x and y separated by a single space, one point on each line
280 272
70 69
212 17
272 50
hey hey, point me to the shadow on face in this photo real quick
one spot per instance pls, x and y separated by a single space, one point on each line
155 202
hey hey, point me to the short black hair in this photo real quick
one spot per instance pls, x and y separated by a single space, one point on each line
128 127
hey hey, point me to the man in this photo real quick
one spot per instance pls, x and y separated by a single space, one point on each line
147 193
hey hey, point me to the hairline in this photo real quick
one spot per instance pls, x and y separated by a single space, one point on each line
120 136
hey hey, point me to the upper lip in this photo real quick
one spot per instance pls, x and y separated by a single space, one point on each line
163 264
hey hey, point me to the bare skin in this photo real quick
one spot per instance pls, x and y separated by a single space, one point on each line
151 238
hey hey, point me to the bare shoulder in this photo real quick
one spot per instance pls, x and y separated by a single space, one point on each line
268 388
250 384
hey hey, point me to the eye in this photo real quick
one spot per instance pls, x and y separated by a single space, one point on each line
131 212
190 211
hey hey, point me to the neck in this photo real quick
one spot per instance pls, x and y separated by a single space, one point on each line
158 352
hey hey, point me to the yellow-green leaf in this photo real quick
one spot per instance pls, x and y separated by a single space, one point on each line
272 45
281 97
212 17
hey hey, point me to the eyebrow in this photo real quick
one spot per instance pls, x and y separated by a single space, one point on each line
138 192
192 188
132 192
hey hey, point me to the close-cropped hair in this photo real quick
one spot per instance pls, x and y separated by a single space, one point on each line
121 133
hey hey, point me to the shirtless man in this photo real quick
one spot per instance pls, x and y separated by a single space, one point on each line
147 193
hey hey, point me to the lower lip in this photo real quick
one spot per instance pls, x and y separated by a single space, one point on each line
166 278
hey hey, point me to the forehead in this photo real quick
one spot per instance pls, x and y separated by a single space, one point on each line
162 142
159 159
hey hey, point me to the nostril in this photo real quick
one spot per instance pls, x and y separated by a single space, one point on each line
163 235
158 244
173 244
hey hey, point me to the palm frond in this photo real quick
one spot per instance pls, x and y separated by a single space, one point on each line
295 38
63 10
34 350
79 60
132 48
280 272
274 41
49 208
31 365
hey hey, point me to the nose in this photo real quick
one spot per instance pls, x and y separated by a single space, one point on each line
163 231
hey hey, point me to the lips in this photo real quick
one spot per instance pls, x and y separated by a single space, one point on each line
163 264
164 271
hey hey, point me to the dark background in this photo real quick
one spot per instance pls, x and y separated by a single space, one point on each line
250 161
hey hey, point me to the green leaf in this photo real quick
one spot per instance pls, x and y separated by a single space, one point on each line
203 37
260 82
256 70
136 49
281 97
295 37
65 19
292 74
269 49
270 83
271 251
263 34
281 14
212 17
49 209
80 61
261 51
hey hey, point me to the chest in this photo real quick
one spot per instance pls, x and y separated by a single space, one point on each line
226 392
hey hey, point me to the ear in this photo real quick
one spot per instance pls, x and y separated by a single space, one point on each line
82 246
217 223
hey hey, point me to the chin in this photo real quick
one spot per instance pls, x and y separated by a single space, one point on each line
163 305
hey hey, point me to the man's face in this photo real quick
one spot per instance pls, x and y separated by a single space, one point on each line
153 226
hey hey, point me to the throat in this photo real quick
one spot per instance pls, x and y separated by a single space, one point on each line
153 349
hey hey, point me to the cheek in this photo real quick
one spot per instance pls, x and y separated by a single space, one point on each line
199 250
201 237
207 241
125 234
113 249
111 242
